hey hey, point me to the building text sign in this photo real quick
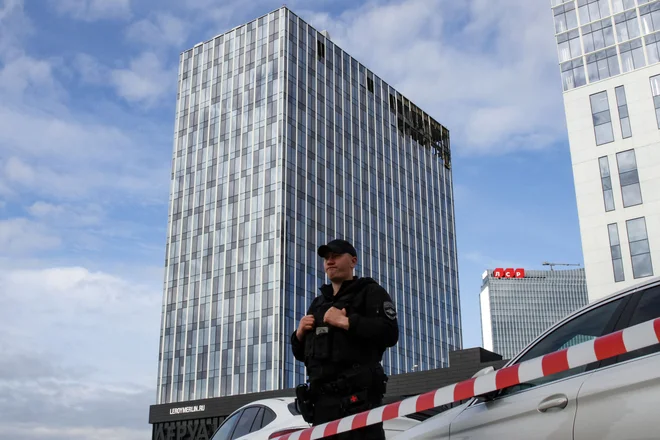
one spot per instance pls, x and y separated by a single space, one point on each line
509 273
187 409
186 430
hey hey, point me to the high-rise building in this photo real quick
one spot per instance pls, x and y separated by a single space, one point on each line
283 142
610 67
514 311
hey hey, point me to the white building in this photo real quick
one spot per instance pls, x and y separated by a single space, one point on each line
610 63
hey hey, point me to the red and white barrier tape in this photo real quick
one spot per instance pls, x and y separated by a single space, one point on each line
624 341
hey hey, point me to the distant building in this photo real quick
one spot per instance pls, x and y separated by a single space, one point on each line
514 311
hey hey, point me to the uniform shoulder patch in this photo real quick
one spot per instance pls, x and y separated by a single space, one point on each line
389 309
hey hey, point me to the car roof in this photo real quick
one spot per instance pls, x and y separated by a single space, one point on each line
273 400
278 404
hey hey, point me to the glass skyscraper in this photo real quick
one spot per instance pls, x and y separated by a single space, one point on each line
514 311
283 142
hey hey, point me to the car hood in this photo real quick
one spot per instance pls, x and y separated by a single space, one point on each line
400 424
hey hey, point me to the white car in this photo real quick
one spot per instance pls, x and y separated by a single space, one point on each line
270 418
614 399
261 420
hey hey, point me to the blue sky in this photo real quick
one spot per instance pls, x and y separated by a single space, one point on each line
87 94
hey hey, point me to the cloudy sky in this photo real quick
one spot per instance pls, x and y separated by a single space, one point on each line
87 95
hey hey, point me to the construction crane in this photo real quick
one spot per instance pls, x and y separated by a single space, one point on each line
552 265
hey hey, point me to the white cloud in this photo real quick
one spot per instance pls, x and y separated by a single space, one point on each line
43 134
208 18
69 158
161 29
48 149
44 399
109 325
485 69
7 7
13 26
93 10
17 171
70 215
43 209
23 236
72 289
23 72
22 76
79 353
51 180
145 81
90 70
58 156
48 146
93 230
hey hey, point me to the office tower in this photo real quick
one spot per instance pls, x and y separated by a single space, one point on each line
283 142
514 311
610 67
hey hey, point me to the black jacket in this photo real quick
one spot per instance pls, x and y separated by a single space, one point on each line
373 325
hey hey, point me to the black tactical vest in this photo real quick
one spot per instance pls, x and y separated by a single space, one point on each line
330 350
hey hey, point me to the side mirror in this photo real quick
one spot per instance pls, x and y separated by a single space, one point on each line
489 396
483 372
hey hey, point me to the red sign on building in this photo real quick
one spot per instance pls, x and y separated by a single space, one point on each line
509 273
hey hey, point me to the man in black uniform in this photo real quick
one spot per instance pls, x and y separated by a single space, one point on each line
342 340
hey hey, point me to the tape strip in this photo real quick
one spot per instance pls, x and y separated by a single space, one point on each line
630 339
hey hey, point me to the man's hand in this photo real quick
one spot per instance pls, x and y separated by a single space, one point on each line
306 324
336 318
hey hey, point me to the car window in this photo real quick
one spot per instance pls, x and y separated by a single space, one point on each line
245 423
590 325
293 408
257 420
647 308
225 430
269 416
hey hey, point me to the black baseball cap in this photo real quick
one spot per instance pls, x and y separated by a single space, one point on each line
338 247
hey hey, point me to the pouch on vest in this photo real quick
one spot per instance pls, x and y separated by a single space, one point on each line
355 402
304 404
317 345
380 380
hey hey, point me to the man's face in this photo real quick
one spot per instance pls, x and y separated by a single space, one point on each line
339 267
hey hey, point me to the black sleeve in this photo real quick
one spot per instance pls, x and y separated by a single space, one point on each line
298 347
379 325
